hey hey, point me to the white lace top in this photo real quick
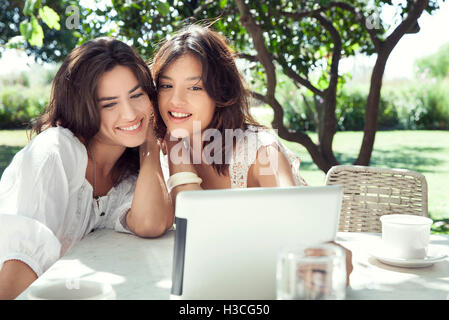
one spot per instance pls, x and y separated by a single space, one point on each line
247 145
46 204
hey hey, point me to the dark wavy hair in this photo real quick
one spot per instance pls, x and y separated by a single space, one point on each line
221 79
73 102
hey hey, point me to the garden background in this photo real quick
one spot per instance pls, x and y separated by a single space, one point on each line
325 59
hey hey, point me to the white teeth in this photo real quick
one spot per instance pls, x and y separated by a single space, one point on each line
132 127
179 114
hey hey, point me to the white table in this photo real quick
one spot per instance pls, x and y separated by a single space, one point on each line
372 279
141 268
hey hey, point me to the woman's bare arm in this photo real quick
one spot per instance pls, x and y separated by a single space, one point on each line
271 169
152 212
15 277
179 162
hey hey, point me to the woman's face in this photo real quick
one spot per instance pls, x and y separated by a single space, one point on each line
184 104
125 108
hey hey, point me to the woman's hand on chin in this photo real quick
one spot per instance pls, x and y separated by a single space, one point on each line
150 145
178 150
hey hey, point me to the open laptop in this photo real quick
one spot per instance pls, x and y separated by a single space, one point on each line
227 241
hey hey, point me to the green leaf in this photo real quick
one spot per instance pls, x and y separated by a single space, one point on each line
37 35
29 6
26 29
355 47
264 8
50 17
163 8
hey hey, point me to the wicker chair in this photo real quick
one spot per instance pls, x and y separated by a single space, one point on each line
372 192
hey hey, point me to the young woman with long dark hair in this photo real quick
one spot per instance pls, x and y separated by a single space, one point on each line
203 102
201 90
94 162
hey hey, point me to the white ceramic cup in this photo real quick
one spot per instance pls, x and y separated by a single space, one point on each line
73 289
405 236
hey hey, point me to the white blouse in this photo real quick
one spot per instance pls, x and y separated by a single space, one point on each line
46 203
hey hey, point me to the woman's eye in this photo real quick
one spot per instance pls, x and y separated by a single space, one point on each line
109 105
164 86
137 95
195 88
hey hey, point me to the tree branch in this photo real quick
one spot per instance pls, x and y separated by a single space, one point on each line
336 56
259 44
407 23
297 78
342 5
266 59
246 56
359 16
198 10
259 96
299 137
204 6
302 14
288 71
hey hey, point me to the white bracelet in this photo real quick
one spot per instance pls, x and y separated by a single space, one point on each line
181 178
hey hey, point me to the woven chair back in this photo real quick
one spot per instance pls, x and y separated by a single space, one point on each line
370 193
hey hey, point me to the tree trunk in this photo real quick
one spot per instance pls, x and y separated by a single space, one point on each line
297 136
329 126
372 111
372 105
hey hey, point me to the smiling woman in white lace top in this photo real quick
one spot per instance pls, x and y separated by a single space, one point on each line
211 140
209 136
94 163
202 101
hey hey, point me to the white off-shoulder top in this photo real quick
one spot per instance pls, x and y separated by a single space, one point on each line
247 145
244 155
46 203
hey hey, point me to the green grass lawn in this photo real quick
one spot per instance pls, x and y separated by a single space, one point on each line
426 152
11 141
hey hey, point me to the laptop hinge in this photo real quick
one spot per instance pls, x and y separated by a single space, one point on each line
178 256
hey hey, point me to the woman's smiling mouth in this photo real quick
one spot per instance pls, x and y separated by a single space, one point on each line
178 116
132 129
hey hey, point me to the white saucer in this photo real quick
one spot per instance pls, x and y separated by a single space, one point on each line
433 257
